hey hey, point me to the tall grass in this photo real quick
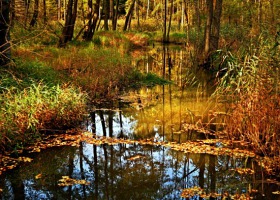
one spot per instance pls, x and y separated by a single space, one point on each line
250 84
33 98
25 113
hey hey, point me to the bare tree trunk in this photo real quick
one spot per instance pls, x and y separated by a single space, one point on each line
35 13
106 4
164 22
58 9
26 4
45 11
115 17
68 29
215 29
170 20
207 33
128 16
93 15
5 51
271 2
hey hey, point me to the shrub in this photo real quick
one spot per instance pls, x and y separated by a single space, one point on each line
250 84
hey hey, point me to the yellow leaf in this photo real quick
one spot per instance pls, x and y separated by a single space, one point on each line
38 176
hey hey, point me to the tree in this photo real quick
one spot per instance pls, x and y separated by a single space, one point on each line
212 27
68 29
93 13
35 13
4 32
128 15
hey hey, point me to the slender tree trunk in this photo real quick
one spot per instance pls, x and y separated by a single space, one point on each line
27 4
5 51
58 9
148 9
111 13
45 12
68 29
207 33
128 16
106 4
93 16
215 29
35 13
165 22
271 3
170 21
116 13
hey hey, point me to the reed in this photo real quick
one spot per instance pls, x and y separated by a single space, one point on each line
250 85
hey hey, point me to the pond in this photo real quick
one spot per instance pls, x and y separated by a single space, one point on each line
139 170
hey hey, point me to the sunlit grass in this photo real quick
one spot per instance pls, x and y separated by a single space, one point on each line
38 107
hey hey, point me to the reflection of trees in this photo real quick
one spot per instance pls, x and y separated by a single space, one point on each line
124 171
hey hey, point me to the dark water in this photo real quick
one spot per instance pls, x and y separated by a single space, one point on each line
128 172
132 171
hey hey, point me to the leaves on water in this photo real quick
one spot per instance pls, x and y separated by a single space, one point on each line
244 171
276 192
38 176
67 181
8 162
197 191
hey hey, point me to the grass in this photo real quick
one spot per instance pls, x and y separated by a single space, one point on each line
250 84
32 100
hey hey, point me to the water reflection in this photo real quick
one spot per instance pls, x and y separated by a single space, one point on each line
143 172
130 172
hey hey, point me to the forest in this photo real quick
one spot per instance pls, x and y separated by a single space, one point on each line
62 60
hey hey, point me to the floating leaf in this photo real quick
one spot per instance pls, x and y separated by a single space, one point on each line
276 192
67 181
25 159
38 176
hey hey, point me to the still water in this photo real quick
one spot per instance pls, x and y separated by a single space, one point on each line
134 171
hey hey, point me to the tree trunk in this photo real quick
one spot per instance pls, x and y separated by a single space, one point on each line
45 12
106 4
68 29
128 15
212 28
215 32
93 14
115 17
164 39
170 20
5 51
35 13
207 33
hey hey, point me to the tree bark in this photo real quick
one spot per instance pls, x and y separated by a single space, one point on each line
106 4
207 32
5 51
128 15
212 28
93 14
68 29
115 17
35 13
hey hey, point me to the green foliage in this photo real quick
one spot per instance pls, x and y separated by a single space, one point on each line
38 107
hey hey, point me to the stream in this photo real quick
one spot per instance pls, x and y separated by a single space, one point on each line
134 171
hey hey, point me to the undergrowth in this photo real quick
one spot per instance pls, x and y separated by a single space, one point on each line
31 104
250 84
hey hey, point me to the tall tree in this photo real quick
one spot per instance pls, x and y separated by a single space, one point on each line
5 52
93 14
106 10
212 28
35 13
68 29
128 15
